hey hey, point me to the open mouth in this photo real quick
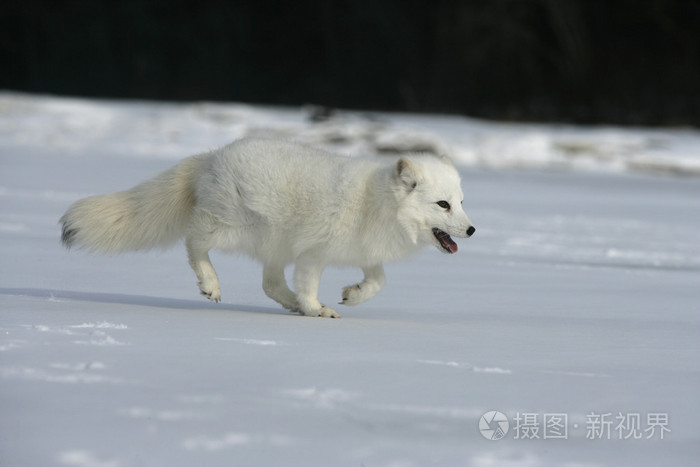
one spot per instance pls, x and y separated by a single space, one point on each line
446 242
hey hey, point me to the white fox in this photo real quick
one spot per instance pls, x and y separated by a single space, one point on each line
283 203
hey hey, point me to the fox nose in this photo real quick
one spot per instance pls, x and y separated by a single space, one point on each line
470 231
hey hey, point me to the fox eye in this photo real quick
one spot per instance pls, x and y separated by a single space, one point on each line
443 204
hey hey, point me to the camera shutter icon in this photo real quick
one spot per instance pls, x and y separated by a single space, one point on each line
494 425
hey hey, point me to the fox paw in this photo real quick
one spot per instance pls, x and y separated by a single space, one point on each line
323 312
213 293
328 312
358 293
352 295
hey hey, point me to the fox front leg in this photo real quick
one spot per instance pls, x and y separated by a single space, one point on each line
371 285
307 275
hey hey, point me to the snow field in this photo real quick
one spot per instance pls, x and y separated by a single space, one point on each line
578 295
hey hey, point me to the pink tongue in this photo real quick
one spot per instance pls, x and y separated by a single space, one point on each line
447 241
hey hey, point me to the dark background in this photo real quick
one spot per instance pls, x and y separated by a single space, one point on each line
582 61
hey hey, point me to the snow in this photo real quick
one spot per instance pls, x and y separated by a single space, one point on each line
578 295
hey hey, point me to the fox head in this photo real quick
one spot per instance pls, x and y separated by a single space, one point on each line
429 195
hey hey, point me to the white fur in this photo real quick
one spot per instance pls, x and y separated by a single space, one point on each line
281 203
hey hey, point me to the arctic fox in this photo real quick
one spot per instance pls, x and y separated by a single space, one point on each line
283 203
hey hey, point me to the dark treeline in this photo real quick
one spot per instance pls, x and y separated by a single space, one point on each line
585 61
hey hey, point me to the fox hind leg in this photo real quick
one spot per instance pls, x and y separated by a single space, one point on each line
201 264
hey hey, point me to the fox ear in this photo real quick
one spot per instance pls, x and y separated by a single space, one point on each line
446 160
407 173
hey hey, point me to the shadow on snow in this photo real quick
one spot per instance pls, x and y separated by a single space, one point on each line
136 300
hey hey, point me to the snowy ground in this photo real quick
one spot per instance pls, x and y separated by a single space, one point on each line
573 310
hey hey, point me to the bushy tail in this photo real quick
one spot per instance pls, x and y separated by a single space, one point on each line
152 214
